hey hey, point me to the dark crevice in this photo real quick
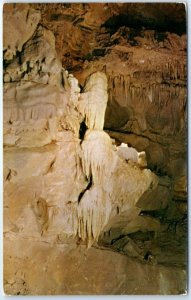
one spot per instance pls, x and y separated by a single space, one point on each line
78 20
52 163
8 178
87 188
50 167
27 15
158 171
29 69
98 52
153 213
19 55
147 255
82 130
6 62
10 174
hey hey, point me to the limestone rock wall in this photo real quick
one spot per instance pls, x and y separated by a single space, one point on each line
14 37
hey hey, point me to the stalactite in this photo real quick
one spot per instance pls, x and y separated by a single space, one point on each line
93 214
97 155
174 70
92 103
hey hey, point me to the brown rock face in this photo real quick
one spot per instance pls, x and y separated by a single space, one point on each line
95 133
142 50
67 270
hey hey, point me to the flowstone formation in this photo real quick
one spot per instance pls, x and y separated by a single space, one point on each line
73 196
39 114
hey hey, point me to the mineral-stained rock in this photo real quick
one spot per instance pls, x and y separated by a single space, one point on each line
180 187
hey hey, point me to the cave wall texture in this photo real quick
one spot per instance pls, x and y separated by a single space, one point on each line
95 148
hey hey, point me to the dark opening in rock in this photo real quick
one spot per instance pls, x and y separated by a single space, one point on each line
82 130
